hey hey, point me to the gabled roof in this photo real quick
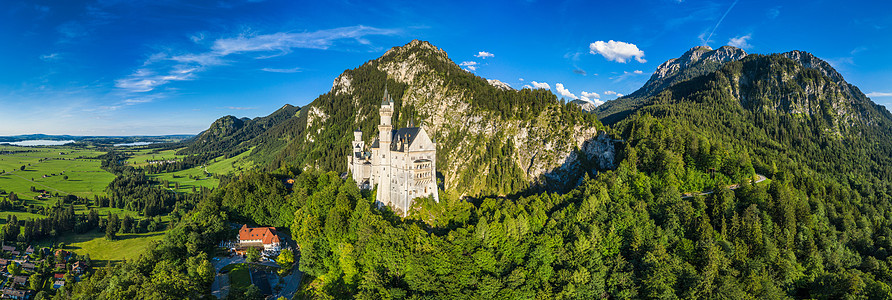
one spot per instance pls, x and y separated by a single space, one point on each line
267 235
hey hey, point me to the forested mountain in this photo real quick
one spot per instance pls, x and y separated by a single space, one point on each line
490 139
819 228
230 135
698 61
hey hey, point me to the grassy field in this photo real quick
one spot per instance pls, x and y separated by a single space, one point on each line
102 251
240 276
141 157
186 179
46 168
226 166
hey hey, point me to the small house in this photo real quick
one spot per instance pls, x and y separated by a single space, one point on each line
29 250
8 248
14 294
20 280
79 267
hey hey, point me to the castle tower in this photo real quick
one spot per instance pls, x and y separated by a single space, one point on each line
385 131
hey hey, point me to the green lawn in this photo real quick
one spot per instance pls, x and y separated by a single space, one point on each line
239 276
102 251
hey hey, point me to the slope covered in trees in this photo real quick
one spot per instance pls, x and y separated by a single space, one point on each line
819 229
464 114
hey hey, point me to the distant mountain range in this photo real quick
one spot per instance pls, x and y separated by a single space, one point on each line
102 139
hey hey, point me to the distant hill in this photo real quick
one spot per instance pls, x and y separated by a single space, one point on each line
95 139
230 135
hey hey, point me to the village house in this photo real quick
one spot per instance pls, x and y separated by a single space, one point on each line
14 294
58 284
62 255
4 262
20 280
30 250
60 266
28 266
266 238
8 248
79 267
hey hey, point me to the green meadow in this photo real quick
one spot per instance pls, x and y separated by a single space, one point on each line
47 168
102 251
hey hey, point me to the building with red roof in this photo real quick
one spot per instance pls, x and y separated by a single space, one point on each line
267 237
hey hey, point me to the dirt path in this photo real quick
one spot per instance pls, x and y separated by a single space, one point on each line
759 178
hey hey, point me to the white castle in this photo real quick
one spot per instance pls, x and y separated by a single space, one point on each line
402 163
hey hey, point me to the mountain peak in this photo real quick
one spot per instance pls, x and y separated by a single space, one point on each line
808 60
697 61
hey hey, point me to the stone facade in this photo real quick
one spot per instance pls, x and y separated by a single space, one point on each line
402 163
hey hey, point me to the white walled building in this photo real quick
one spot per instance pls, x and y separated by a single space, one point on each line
402 163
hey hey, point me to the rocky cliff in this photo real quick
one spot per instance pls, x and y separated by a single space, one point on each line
491 139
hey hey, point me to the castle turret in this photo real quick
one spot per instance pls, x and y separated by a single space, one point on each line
385 131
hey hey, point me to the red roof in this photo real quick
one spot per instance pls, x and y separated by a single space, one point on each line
267 235
58 276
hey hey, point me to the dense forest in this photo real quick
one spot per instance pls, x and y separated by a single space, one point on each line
679 217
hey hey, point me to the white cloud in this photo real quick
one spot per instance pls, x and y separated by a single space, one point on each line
590 96
540 85
283 42
741 41
617 51
484 54
609 93
879 94
470 65
50 57
292 70
619 95
521 79
638 72
527 86
162 68
564 92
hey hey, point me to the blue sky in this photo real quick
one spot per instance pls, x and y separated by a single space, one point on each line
134 67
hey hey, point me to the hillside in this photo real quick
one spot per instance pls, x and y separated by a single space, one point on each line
230 135
491 139
697 61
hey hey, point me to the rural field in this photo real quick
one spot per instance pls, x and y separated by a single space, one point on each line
102 251
61 170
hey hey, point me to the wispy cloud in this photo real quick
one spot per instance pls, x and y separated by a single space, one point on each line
706 41
580 72
239 108
50 57
617 51
625 75
163 68
484 54
741 41
564 92
273 70
879 94
773 12
470 65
